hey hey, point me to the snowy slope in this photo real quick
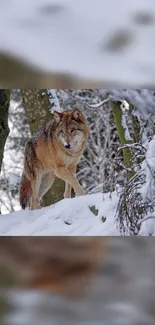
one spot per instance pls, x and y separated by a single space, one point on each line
67 217
110 41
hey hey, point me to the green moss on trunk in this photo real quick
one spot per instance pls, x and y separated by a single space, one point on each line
127 155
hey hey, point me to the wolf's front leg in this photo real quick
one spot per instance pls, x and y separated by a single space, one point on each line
68 188
35 204
70 178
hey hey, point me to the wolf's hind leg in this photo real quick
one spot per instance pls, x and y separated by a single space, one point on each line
35 183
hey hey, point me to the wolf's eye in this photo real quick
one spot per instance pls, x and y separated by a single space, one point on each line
73 130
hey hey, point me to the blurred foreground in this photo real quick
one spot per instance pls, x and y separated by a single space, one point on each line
77 44
121 292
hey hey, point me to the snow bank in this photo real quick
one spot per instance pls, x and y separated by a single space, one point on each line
70 217
67 217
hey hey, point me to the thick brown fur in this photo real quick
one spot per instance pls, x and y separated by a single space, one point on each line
53 152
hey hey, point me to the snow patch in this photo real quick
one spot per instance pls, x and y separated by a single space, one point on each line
67 217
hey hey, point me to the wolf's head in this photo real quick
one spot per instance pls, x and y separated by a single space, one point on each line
71 129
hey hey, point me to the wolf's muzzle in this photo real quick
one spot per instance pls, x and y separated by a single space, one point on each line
67 146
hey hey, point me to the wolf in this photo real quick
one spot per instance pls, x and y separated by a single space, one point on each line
53 152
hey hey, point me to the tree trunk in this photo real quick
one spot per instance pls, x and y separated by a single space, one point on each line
4 128
37 107
127 155
4 110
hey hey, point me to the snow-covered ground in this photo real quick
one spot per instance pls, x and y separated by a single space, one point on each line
108 41
70 217
67 217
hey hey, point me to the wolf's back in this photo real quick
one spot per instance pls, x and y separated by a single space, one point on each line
25 191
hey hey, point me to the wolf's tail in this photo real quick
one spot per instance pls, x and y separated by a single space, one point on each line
25 192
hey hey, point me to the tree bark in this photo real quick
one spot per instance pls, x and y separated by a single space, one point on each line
4 110
127 155
37 107
4 131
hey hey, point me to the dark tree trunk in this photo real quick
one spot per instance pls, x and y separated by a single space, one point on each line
4 129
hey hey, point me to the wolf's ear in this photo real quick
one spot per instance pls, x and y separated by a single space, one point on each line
77 115
57 117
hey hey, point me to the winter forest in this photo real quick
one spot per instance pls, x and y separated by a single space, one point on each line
116 169
49 255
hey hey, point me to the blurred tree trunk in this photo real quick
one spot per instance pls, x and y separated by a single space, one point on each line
37 107
4 110
18 74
